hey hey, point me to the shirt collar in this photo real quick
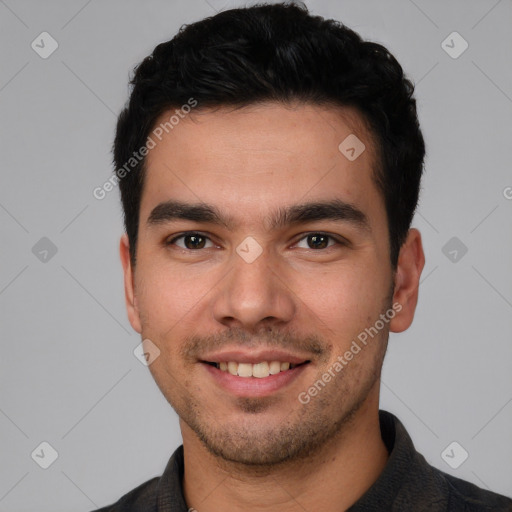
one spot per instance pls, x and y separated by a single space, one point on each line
380 496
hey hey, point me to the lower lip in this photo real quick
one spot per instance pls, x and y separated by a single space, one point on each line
253 386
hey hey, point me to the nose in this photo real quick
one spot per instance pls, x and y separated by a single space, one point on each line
254 294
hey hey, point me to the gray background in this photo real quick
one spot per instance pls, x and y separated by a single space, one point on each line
68 375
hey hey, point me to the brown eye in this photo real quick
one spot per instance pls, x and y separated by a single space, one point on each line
317 241
191 241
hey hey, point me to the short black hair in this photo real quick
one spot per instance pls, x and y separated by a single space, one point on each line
278 53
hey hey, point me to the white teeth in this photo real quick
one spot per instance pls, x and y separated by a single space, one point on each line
245 370
258 370
233 368
275 367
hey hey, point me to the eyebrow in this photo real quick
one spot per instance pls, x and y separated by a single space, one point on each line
332 210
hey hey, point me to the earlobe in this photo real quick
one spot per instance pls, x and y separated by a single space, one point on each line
129 287
407 277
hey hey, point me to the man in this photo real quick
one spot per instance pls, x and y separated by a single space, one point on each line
269 164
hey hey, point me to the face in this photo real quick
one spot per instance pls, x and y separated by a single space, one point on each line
286 264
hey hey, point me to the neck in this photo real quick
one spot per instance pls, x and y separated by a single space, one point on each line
332 479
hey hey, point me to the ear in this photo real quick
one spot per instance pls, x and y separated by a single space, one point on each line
129 288
407 280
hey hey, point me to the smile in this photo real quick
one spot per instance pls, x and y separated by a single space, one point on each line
258 370
246 379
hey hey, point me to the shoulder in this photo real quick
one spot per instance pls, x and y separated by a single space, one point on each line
410 482
141 499
428 488
158 494
467 497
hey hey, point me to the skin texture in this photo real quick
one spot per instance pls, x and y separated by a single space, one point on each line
271 452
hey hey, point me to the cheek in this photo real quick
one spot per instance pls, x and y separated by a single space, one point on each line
165 296
160 311
346 300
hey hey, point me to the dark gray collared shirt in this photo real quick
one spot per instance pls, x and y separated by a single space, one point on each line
407 484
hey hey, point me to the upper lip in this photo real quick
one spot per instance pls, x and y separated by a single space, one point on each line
254 357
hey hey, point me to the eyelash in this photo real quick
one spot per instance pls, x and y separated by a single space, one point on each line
197 233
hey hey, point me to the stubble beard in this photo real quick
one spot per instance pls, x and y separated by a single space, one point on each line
303 432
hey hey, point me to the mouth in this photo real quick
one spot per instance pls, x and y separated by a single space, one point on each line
256 373
260 370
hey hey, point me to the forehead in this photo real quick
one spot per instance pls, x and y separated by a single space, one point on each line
248 160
